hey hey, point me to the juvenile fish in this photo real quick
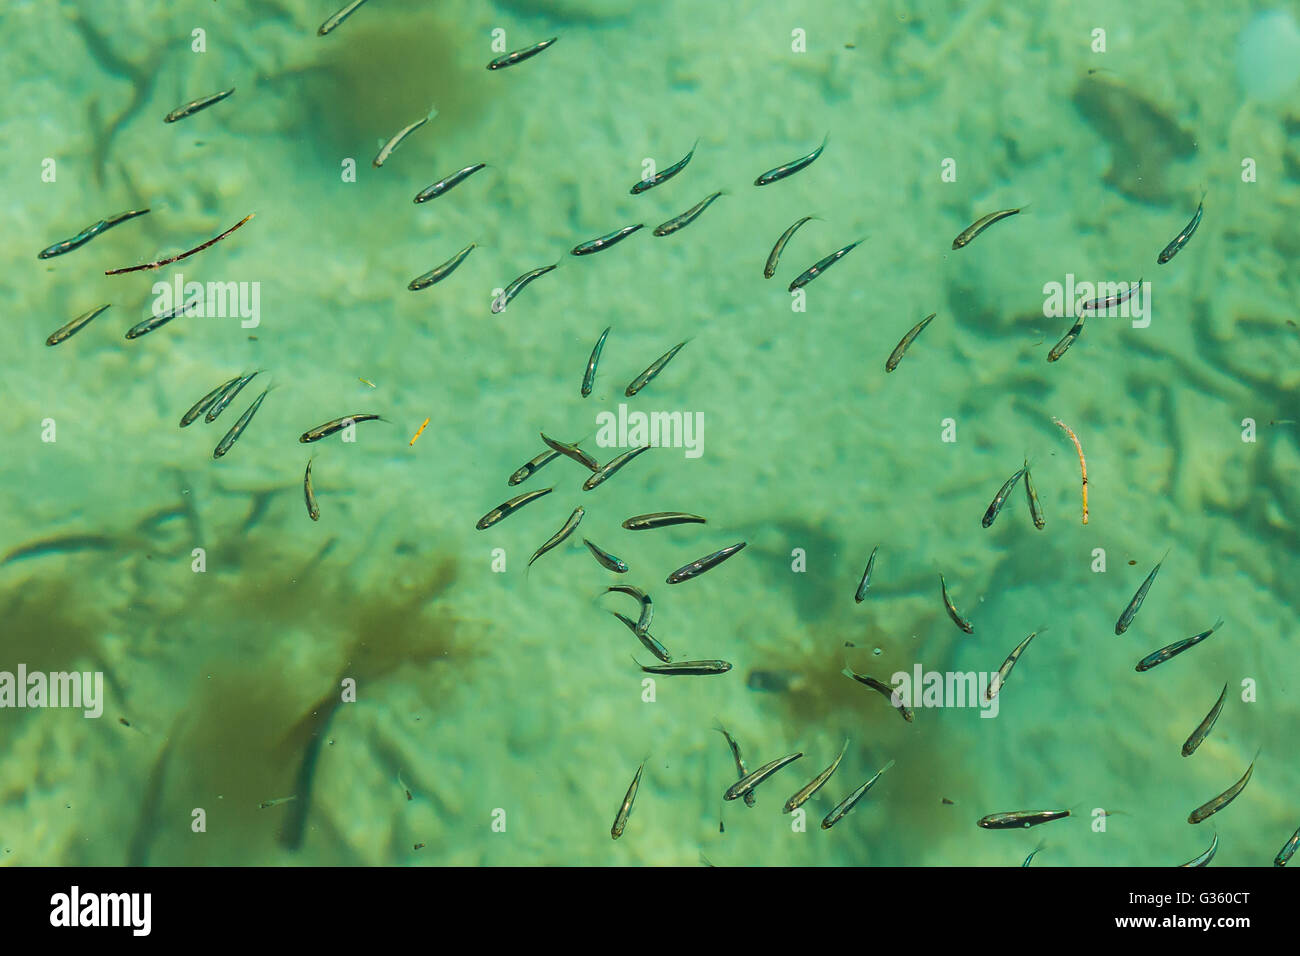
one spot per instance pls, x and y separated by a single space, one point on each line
1000 498
75 326
660 519
789 169
1134 605
1020 819
438 273
313 509
339 17
700 565
896 356
1110 302
979 225
952 609
748 782
852 799
609 470
647 605
526 470
813 271
741 770
442 185
605 241
688 217
232 436
605 559
518 56
866 577
802 795
644 379
1205 726
559 536
625 809
1176 648
1181 239
1211 807
1061 347
1035 508
507 508
1205 858
338 424
646 638
1004 671
686 668
514 288
158 321
204 403
589 376
90 232
399 137
1288 850
1029 859
774 257
666 175
571 451
882 688
225 398
202 103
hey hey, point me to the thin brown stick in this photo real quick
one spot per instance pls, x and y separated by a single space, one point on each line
184 255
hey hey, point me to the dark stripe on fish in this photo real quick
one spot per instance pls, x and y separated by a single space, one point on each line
507 508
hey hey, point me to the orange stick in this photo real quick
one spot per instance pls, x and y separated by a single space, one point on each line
1083 465
426 422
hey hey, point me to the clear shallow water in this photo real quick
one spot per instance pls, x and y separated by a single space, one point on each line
510 696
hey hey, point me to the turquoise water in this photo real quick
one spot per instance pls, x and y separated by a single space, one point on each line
228 626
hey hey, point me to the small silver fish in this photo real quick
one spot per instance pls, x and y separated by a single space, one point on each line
339 17
232 436
789 169
1035 508
813 271
1111 301
442 185
609 470
202 103
657 366
313 509
336 425
1205 726
514 288
90 232
660 519
700 565
896 356
589 376
646 638
1004 671
605 559
399 137
1205 858
802 795
747 783
1030 859
647 605
559 536
995 506
741 770
866 577
625 809
76 325
507 508
1020 819
666 175
889 693
1063 346
204 403
1135 605
438 273
518 56
852 799
685 668
774 257
1288 850
952 609
157 321
688 217
571 451
979 225
225 398
1176 648
1211 807
526 470
605 241
1181 239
